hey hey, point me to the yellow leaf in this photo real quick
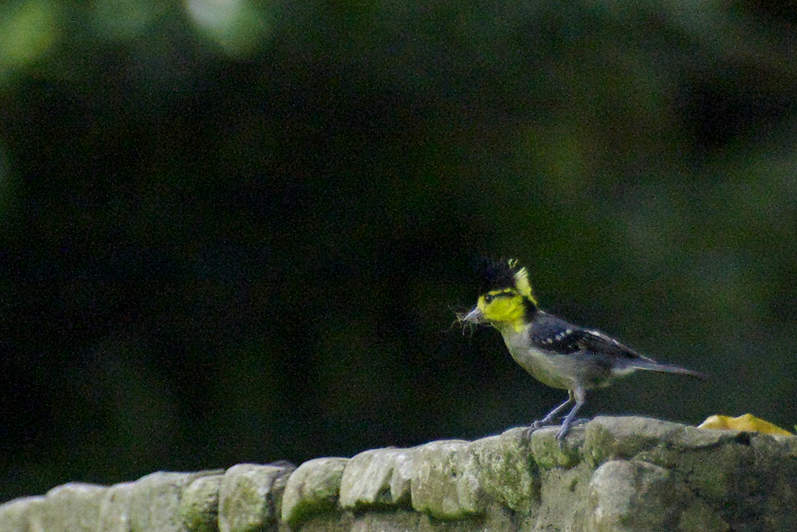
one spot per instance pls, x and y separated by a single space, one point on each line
747 422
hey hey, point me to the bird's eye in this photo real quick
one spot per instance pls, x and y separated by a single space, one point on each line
488 298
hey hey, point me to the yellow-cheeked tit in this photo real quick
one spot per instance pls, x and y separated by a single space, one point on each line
555 352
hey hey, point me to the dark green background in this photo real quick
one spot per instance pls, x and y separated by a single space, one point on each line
238 231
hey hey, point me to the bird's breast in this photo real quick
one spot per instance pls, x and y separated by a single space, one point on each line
550 369
586 370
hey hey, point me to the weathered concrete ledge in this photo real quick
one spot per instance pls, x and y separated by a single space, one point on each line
614 473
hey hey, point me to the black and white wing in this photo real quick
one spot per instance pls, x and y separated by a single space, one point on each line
557 335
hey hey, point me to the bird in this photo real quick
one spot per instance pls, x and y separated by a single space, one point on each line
554 351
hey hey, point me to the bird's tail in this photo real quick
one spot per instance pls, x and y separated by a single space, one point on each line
668 368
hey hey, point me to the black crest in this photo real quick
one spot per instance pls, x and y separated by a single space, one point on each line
496 274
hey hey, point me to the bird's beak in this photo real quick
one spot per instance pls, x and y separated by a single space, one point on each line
474 316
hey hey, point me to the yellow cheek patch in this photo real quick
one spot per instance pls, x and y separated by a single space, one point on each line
503 307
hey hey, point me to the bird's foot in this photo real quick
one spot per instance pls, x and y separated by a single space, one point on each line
566 428
536 425
560 435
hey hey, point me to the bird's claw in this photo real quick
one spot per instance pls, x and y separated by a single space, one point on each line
536 425
566 428
561 433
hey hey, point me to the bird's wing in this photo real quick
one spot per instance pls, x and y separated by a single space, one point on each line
557 335
593 340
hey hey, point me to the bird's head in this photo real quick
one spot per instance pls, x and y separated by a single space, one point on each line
505 296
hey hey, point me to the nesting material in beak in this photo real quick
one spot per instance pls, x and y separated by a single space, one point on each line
474 317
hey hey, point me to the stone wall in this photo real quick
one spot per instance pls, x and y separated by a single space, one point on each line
613 473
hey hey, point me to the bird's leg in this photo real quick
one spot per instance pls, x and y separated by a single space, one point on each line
549 417
580 397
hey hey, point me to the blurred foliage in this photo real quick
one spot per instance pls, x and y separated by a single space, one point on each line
238 230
